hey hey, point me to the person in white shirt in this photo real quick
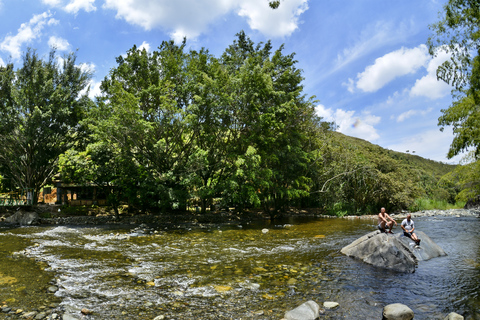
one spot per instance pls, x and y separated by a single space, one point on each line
408 227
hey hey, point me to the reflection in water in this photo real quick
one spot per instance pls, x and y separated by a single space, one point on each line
234 272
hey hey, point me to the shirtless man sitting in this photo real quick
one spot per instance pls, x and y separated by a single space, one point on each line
408 226
383 222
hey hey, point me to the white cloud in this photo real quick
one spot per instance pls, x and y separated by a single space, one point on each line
372 37
431 144
27 32
429 86
410 113
190 18
273 23
390 66
58 43
52 22
72 6
348 123
53 3
76 5
2 64
350 84
87 67
145 45
94 91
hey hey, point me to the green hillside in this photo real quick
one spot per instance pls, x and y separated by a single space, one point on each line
360 177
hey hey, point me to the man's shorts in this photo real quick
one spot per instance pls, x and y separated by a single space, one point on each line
407 234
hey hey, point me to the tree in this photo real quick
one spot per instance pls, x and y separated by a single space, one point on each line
457 34
41 105
269 112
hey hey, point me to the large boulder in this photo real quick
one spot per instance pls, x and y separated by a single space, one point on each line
23 218
427 249
393 251
473 203
382 250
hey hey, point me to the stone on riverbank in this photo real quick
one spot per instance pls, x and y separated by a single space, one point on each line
453 316
382 250
397 311
23 218
310 310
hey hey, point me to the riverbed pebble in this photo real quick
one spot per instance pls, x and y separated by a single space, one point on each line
29 315
6 309
330 305
52 289
85 311
40 316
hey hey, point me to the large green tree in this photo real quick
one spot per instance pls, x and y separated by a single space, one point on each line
41 105
236 128
458 34
270 112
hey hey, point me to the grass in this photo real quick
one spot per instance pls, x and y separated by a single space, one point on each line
432 204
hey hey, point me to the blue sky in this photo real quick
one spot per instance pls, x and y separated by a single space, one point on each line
365 60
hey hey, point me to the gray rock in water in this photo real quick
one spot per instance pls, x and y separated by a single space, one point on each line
310 310
382 250
453 316
52 289
29 315
427 249
41 315
397 311
6 309
330 304
68 316
23 218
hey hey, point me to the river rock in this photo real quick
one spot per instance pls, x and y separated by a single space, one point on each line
23 218
453 316
330 305
41 315
29 315
310 310
397 311
52 289
6 309
473 203
427 249
382 250
68 316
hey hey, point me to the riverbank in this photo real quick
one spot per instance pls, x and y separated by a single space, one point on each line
426 213
53 215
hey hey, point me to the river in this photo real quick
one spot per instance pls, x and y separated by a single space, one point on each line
249 271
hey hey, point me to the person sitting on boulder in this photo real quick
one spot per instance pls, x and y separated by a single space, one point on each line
408 226
383 222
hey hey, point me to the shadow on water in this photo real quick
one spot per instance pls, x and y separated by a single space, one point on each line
258 270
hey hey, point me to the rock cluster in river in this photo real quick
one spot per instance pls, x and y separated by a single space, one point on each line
310 310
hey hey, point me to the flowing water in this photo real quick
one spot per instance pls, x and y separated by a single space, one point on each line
233 272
